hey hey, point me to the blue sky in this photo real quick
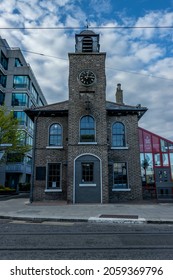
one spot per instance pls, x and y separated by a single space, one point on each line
130 8
141 59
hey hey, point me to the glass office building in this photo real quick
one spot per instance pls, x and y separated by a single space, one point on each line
19 90
156 157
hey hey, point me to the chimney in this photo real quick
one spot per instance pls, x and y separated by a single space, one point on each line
119 94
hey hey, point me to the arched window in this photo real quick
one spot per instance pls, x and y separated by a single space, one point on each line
118 135
87 129
55 135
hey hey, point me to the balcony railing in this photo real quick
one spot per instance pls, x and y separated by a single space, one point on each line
18 168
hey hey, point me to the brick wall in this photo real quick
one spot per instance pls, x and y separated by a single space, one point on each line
130 155
45 155
83 101
78 98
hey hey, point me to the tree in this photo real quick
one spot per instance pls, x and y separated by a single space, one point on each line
10 135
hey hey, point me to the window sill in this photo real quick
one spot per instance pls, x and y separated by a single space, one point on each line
121 190
87 143
54 147
87 185
52 190
119 148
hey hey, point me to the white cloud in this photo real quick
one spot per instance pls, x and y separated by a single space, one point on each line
101 6
7 6
163 68
153 19
29 12
145 52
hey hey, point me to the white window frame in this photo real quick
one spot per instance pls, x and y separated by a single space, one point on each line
125 147
56 189
56 146
87 143
121 189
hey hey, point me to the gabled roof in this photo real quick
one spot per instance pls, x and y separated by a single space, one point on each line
61 109
122 109
57 106
56 109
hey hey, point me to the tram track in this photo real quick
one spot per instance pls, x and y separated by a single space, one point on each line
90 248
86 233
85 241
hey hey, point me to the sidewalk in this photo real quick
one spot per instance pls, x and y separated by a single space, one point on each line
143 212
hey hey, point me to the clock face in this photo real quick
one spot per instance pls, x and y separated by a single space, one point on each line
87 77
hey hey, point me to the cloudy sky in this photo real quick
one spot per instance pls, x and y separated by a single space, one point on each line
140 58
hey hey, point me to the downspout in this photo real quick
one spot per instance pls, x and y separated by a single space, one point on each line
33 158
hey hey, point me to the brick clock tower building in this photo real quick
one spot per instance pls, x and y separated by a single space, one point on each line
86 149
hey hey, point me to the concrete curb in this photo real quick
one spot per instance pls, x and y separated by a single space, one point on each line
160 221
41 219
90 220
116 221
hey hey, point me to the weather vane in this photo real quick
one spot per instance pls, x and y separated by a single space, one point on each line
87 23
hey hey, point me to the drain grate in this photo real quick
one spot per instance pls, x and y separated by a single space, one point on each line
119 216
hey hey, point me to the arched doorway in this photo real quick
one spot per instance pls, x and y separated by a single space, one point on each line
87 185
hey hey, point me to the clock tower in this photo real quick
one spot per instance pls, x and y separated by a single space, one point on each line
87 124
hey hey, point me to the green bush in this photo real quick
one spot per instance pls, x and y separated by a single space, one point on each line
6 189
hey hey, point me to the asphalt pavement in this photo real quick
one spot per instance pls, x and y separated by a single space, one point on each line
20 208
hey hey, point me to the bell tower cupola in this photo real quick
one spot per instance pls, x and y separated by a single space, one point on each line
87 42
